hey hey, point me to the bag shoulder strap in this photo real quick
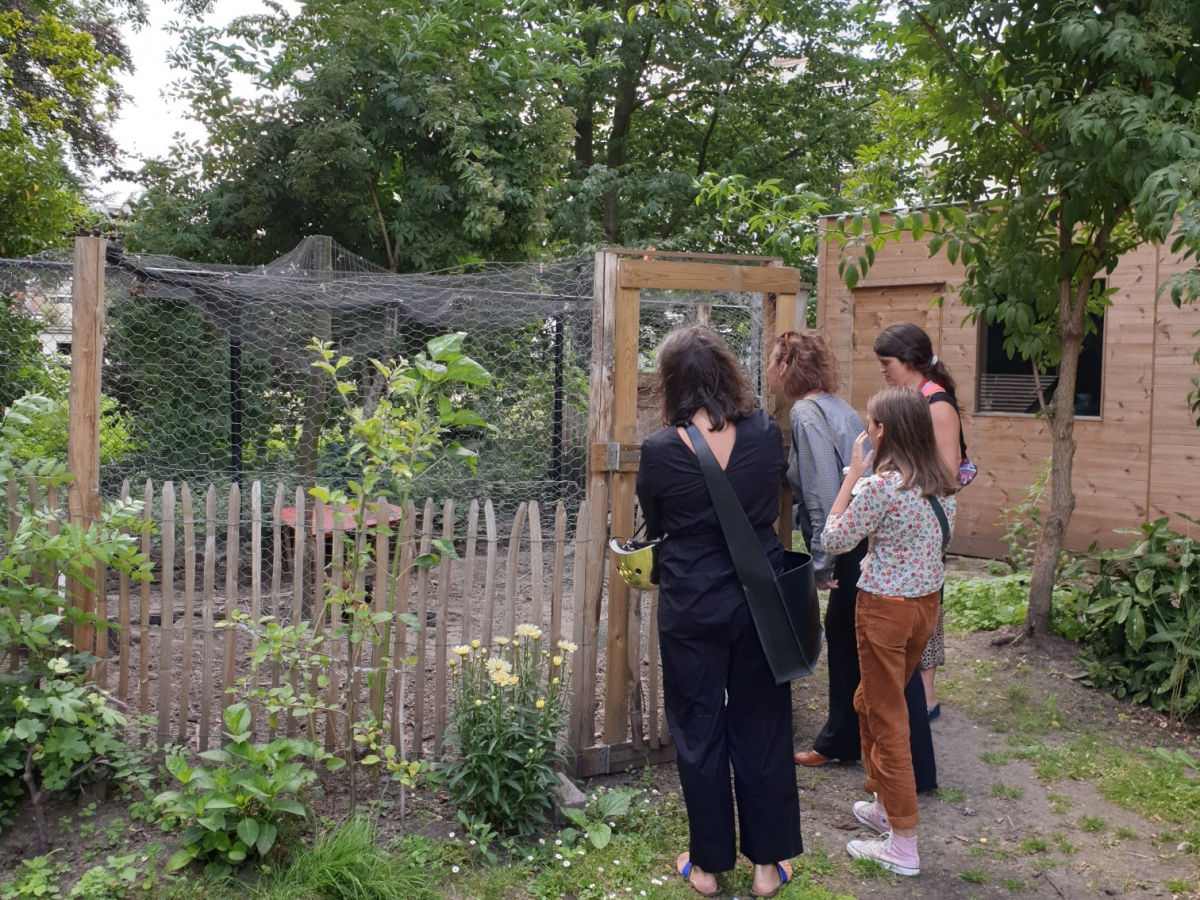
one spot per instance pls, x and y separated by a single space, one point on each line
943 397
750 561
832 436
940 512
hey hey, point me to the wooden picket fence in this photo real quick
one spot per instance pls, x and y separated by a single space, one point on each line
164 657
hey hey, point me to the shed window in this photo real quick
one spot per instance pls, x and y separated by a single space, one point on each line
1008 385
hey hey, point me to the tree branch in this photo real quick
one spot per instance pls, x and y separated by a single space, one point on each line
989 102
387 241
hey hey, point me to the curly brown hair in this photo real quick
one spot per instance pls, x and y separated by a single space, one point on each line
801 362
696 369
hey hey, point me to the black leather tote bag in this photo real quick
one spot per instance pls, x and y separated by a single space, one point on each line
785 608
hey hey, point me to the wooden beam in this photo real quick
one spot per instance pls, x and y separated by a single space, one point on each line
608 758
712 257
779 316
619 677
636 273
599 431
83 418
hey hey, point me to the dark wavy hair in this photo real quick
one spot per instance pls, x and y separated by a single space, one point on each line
696 369
910 344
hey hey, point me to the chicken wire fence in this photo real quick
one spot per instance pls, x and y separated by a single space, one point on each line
208 376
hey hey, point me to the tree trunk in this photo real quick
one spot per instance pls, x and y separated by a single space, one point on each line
1072 307
632 70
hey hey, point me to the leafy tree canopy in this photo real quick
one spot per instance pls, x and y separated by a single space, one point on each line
1068 135
416 133
58 61
421 134
766 90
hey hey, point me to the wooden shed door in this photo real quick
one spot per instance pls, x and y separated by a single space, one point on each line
874 310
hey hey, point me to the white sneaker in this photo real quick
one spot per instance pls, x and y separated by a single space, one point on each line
887 854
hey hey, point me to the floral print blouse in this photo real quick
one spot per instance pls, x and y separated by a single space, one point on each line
905 557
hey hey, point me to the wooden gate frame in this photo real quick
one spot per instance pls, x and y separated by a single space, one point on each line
614 454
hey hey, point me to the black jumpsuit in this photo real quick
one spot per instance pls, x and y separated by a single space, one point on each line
722 704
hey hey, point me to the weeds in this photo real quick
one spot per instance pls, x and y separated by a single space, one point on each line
975 876
1004 792
347 864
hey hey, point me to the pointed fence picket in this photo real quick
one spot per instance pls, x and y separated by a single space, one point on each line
311 566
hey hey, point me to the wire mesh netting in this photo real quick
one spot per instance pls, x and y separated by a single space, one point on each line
208 378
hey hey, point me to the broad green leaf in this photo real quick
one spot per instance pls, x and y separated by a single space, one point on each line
247 830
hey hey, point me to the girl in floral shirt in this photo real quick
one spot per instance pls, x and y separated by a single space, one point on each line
900 509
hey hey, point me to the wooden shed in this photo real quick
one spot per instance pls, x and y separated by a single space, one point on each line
1138 455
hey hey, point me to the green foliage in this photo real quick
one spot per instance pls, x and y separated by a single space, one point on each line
985 604
113 881
777 92
1142 620
597 820
167 367
345 863
1023 523
415 133
507 712
1061 136
54 727
22 364
237 810
58 65
975 876
35 879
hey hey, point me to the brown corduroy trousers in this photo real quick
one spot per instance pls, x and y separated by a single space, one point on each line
892 634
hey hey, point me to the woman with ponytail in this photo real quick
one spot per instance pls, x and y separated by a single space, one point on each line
906 359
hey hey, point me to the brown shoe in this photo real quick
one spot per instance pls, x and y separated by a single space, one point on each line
810 758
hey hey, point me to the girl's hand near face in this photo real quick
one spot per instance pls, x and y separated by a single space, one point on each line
860 460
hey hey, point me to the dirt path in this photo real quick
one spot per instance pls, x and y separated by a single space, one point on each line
996 827
1002 825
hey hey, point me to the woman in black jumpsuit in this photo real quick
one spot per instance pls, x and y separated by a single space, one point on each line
722 704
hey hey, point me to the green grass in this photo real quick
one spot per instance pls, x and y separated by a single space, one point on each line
975 876
950 795
1013 884
1178 885
347 864
993 758
1126 834
1004 792
870 868
1065 847
1059 803
1092 825
1033 845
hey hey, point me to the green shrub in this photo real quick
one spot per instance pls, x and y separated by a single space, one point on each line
507 713
235 811
55 728
1142 620
35 879
985 604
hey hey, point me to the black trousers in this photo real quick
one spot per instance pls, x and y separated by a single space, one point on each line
752 730
839 739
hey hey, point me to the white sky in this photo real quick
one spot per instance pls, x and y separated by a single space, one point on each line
148 122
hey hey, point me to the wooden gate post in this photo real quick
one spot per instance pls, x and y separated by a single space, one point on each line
779 316
83 418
